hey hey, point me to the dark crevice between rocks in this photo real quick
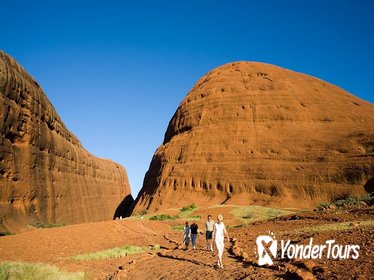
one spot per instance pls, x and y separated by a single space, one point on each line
124 209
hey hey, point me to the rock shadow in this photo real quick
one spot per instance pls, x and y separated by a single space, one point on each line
369 186
183 259
124 208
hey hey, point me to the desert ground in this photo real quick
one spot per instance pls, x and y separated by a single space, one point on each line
164 257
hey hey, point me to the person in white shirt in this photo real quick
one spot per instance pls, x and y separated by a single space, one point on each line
219 233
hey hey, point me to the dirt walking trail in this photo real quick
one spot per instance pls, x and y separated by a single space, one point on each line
57 246
174 262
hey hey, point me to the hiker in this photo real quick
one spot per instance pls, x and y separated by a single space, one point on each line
186 236
194 231
209 224
219 237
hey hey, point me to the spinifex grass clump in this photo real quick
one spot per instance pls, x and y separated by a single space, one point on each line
195 217
163 217
115 252
35 271
355 200
37 224
350 201
186 211
253 213
188 207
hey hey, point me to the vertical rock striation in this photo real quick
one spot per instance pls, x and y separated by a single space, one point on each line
257 133
45 173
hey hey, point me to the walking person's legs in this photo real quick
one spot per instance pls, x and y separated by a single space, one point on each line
220 246
209 240
187 242
193 239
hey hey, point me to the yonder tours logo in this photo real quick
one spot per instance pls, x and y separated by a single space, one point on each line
267 250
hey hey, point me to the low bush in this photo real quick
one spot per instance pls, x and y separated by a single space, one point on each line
35 271
37 224
324 204
115 252
249 214
163 217
350 201
195 217
355 200
188 207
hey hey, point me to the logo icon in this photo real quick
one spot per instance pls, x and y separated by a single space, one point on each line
266 249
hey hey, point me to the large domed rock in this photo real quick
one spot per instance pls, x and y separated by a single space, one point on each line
45 174
257 133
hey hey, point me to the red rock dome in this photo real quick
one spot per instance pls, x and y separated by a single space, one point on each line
256 133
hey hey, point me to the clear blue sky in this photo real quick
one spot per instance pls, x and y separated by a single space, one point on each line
116 70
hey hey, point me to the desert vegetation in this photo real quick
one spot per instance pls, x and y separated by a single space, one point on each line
38 224
163 217
349 201
184 213
36 271
254 213
115 252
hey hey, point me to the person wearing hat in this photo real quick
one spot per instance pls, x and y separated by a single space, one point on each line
219 233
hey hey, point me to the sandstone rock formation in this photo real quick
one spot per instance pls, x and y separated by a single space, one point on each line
45 173
257 133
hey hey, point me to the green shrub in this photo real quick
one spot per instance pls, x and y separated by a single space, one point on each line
37 271
350 201
195 217
256 213
163 217
5 233
355 200
369 199
188 207
324 204
37 224
115 252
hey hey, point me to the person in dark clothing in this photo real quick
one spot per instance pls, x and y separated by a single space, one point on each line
194 231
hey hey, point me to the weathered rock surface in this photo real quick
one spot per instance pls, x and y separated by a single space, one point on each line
45 173
256 133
